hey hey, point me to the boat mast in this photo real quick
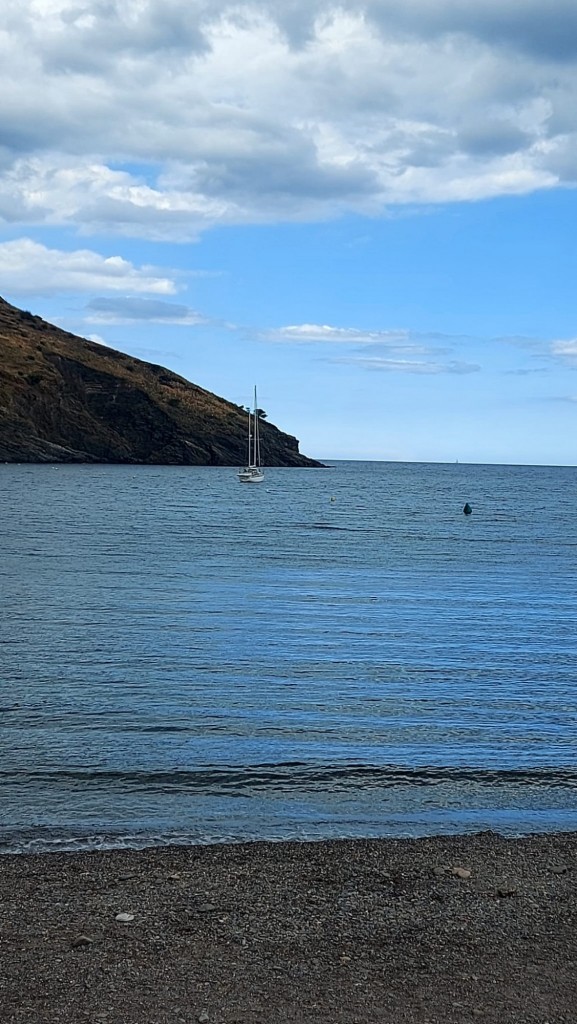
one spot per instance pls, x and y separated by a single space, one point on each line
256 436
249 437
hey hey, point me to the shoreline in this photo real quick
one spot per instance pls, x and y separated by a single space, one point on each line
148 843
437 930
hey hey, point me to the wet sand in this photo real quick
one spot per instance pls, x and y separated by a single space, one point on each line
439 930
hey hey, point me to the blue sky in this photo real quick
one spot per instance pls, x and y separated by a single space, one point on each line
367 209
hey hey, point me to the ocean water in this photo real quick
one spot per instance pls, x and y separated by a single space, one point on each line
335 652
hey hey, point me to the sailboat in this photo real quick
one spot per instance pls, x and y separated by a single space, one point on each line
252 473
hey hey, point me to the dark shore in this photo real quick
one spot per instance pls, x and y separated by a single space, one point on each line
456 929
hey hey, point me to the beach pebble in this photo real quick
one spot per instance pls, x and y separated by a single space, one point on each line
205 908
124 918
507 890
558 869
461 872
83 940
203 1016
439 872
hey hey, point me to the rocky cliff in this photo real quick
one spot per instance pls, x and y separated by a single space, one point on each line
65 399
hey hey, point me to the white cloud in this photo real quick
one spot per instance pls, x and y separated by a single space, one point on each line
54 189
387 341
565 350
393 351
420 367
160 118
348 335
26 267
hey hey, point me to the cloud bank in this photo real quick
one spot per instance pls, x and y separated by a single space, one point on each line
162 118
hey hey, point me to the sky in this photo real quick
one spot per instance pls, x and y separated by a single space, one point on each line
367 209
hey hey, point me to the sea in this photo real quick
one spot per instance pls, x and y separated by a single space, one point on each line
337 652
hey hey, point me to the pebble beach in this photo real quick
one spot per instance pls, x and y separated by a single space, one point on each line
446 930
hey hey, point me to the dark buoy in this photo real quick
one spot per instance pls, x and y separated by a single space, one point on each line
467 509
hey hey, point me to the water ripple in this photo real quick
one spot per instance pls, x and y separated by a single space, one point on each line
337 653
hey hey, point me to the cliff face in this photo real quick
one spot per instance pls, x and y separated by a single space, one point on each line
64 399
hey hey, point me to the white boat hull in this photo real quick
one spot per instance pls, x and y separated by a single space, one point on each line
250 476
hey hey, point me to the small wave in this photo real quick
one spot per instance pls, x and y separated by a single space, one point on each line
61 840
55 842
296 775
328 526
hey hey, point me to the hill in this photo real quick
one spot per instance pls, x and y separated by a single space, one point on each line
65 399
